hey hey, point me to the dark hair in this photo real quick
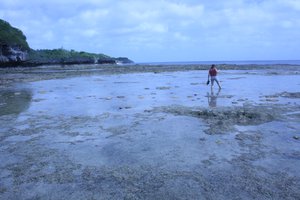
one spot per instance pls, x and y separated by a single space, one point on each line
213 65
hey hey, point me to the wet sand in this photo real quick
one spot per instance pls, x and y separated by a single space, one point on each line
149 132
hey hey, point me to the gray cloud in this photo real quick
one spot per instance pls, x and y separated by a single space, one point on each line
162 30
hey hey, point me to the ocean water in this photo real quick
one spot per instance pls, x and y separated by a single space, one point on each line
236 62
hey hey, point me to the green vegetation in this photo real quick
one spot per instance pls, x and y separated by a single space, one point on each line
15 50
65 56
12 36
124 60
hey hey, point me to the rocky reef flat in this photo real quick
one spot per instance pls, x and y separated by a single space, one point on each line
149 132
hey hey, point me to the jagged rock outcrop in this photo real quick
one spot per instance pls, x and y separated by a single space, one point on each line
106 61
13 45
15 51
12 54
123 60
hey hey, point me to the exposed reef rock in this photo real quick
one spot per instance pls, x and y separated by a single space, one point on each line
222 120
12 54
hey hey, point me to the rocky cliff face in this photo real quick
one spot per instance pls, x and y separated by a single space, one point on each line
13 45
12 54
15 51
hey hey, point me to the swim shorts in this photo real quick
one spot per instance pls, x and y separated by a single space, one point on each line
212 79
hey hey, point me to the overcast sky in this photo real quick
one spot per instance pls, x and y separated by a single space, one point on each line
162 30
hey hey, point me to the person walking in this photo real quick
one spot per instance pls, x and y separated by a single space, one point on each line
212 73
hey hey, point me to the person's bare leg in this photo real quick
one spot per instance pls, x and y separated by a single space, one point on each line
218 84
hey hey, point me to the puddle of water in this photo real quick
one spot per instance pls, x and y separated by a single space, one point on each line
14 101
137 92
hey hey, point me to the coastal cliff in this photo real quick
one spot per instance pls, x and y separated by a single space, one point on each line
13 45
15 51
12 54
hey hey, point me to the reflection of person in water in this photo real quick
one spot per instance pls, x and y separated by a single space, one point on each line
212 98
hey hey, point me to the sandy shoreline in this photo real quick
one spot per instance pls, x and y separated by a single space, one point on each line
149 132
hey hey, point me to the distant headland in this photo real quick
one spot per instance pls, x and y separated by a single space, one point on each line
15 51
